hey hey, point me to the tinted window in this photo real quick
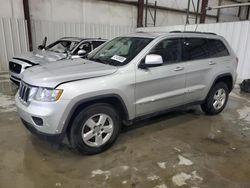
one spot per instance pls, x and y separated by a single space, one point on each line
217 48
195 48
169 50
97 43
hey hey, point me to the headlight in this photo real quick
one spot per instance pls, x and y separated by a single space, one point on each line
32 93
48 95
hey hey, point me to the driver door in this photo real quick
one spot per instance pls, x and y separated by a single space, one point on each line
162 87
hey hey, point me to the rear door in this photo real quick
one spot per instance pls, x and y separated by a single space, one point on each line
198 67
206 58
161 87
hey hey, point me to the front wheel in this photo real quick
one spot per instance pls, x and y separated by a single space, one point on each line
216 99
95 129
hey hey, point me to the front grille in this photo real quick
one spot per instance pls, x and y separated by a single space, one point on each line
24 91
15 67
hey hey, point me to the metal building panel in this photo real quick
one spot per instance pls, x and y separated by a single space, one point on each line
13 40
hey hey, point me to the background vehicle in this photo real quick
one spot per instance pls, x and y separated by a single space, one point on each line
67 47
127 79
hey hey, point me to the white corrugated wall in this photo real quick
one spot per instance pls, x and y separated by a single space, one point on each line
55 30
236 33
13 40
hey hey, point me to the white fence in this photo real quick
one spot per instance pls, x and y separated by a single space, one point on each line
13 40
236 33
55 30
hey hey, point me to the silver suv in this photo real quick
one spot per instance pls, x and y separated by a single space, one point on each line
64 48
127 79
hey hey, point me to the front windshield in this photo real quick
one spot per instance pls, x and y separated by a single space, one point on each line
120 51
62 46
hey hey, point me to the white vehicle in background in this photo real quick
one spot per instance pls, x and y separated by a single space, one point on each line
64 48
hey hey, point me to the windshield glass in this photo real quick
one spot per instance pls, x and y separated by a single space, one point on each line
62 46
120 51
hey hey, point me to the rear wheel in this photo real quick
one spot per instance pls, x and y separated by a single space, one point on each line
216 99
95 129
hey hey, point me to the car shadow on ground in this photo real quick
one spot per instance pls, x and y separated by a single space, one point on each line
153 123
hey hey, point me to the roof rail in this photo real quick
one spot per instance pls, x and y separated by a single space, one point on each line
198 32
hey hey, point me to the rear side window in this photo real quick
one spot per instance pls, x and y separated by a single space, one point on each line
169 50
217 48
194 48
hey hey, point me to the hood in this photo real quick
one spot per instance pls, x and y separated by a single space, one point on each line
41 56
52 74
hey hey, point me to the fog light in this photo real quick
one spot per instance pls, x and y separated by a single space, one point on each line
38 121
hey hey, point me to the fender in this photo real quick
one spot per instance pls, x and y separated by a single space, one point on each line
93 99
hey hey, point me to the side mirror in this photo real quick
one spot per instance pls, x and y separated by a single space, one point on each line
152 60
81 52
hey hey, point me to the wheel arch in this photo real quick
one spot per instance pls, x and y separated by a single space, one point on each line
113 99
227 78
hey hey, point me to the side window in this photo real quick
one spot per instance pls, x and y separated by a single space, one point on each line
97 43
62 46
169 50
217 48
87 46
194 48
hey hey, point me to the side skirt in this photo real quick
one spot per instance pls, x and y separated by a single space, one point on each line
143 117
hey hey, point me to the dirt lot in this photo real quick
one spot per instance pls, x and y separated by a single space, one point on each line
180 149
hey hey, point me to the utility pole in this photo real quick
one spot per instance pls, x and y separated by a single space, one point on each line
204 4
140 7
26 11
218 11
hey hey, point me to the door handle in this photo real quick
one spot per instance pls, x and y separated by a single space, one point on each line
211 63
178 68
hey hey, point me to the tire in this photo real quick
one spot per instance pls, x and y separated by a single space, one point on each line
209 106
89 126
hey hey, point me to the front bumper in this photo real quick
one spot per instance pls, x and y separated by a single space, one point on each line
51 114
55 138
